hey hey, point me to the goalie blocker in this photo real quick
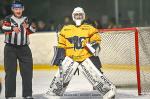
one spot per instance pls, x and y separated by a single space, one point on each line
94 76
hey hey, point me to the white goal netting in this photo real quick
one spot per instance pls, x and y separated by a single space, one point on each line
118 55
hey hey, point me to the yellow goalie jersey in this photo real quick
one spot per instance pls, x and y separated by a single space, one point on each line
74 39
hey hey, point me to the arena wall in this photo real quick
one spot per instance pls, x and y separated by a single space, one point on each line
41 45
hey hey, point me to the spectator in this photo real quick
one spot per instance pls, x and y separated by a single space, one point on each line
1 22
41 26
112 24
51 25
97 24
88 20
34 24
67 20
104 21
4 8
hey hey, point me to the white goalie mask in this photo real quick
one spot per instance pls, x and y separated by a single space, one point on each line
78 15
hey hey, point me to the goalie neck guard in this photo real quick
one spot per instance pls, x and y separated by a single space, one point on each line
78 15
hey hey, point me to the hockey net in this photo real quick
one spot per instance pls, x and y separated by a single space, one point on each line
125 56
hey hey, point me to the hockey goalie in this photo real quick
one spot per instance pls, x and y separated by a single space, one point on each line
77 48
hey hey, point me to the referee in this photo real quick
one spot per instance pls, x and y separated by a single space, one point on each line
17 29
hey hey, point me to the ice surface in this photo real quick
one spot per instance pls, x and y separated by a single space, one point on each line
79 88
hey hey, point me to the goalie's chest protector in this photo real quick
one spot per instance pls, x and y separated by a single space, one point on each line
76 39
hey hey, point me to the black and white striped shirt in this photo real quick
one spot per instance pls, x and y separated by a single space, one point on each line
21 38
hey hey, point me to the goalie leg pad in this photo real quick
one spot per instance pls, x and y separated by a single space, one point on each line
96 78
58 86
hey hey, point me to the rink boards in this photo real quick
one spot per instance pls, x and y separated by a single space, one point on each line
42 49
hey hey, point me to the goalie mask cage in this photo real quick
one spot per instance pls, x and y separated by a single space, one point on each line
125 56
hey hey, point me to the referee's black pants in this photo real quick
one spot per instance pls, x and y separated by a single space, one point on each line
24 56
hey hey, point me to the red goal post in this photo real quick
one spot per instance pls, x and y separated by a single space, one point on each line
136 36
